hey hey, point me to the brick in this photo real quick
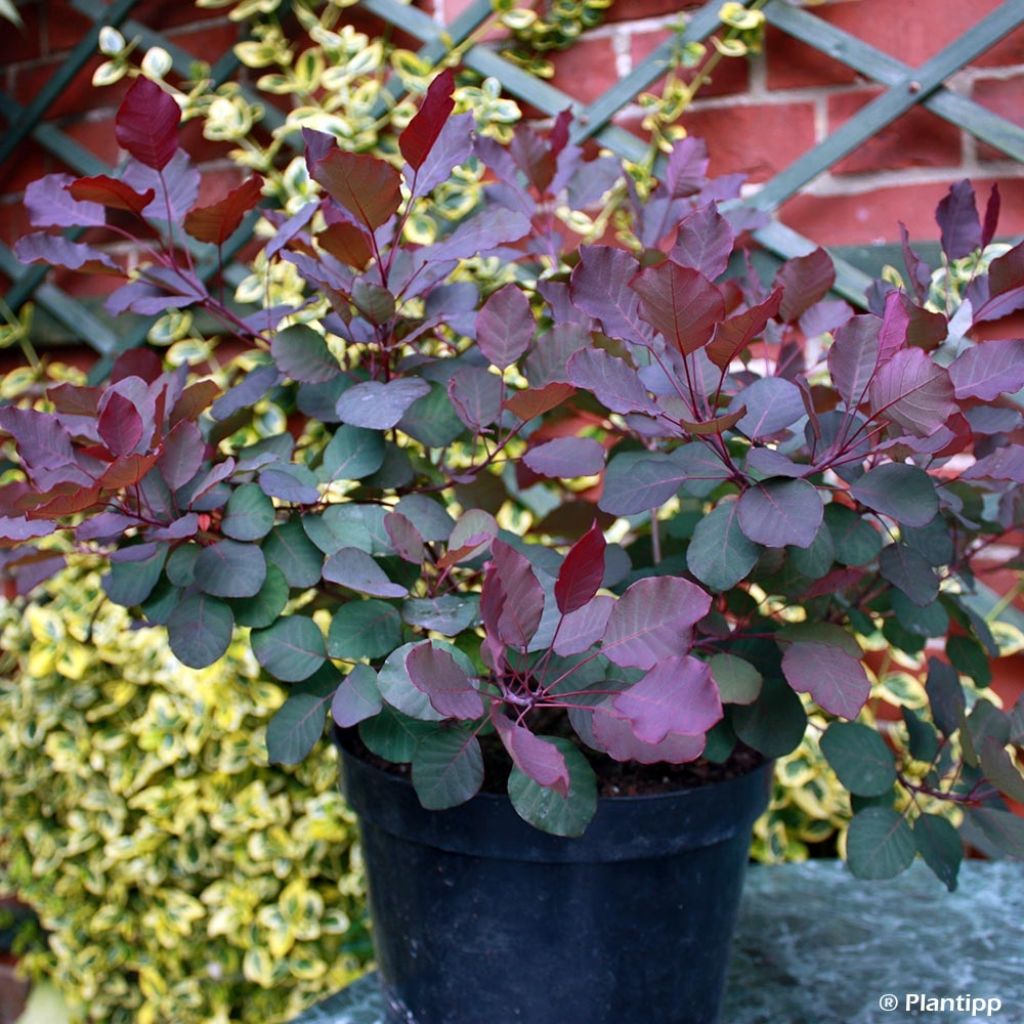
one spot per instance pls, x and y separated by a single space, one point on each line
792 64
917 139
165 14
78 97
206 42
873 217
31 162
1003 97
64 26
14 221
634 10
731 76
758 140
586 69
26 43
96 135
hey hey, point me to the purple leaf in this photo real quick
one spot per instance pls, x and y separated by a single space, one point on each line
355 569
582 571
58 251
50 205
779 512
637 484
614 382
679 303
1002 464
732 336
478 235
449 690
182 455
420 134
894 332
18 528
853 358
687 168
519 596
617 738
677 695
904 492
144 298
835 679
1004 287
378 406
652 621
804 281
543 762
253 386
704 242
357 698
957 216
905 568
177 187
566 457
918 271
290 482
505 326
181 529
290 229
600 288
914 392
988 370
120 424
772 405
147 124
42 442
582 628
476 396
453 147
404 537
988 231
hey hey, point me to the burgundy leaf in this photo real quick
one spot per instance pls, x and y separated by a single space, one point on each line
421 133
600 288
126 471
522 597
680 303
143 363
74 400
109 192
853 358
988 370
195 399
537 401
704 242
988 230
732 336
582 628
616 737
217 222
50 205
918 271
405 538
779 512
290 229
894 332
541 761
476 396
368 188
449 690
566 457
957 216
652 621
453 147
57 251
835 679
504 326
582 571
804 281
677 695
347 242
182 454
613 382
120 424
147 124
914 392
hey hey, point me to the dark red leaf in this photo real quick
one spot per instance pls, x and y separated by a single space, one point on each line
125 471
137 362
559 137
365 186
147 124
422 131
437 674
120 425
111 193
347 242
219 221
582 571
541 761
957 216
537 401
73 400
732 336
523 602
804 281
681 303
194 399
988 229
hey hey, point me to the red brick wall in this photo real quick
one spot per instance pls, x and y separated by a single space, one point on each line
757 115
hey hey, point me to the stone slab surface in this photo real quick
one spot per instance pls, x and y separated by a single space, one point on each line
815 946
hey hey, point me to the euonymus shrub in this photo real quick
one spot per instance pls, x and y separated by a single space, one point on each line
782 475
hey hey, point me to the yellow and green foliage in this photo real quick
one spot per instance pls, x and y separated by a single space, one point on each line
178 877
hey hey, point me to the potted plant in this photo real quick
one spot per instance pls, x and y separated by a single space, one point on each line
558 678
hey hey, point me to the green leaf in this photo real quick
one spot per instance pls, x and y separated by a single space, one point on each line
969 657
924 740
899 490
161 602
738 681
129 583
447 768
200 630
288 547
929 620
398 689
364 629
1001 831
339 526
449 614
859 756
357 698
945 695
432 419
392 735
720 554
353 453
299 723
181 565
249 514
775 723
879 844
263 608
940 845
1000 770
291 650
548 810
855 540
816 560
303 355
231 569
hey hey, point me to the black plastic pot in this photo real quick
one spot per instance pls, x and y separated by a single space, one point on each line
480 919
